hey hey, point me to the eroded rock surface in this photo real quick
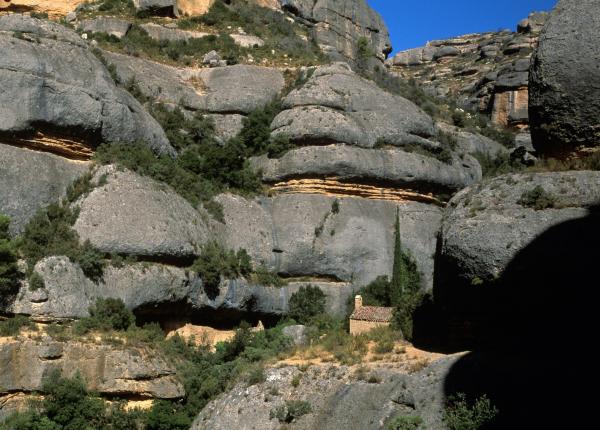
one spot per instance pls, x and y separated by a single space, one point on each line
485 72
565 81
337 399
32 180
63 89
485 226
134 215
339 24
336 105
121 372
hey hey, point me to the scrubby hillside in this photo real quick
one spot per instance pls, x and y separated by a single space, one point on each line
193 191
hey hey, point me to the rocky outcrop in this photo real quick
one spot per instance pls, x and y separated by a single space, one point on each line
337 399
565 81
486 226
32 180
64 90
105 24
392 168
161 32
155 7
160 292
485 72
336 105
235 89
298 234
134 215
338 25
121 372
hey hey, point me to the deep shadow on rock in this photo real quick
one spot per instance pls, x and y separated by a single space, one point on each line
531 331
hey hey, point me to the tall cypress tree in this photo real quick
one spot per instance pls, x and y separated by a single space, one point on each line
398 283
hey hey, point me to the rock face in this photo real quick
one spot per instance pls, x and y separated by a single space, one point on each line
111 371
565 80
161 292
105 24
337 400
65 93
32 180
485 226
156 7
133 215
160 32
485 72
336 105
394 167
224 93
298 234
339 24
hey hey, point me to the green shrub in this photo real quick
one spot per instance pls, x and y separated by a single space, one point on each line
537 198
106 314
463 415
264 276
36 282
384 338
306 303
12 326
497 165
406 422
216 262
292 410
50 232
9 270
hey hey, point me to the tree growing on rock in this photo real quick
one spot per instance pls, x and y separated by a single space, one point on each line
9 271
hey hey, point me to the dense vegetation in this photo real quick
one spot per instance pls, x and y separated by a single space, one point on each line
307 303
9 271
284 41
205 166
461 414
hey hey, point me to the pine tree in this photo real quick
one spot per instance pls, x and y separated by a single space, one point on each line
398 283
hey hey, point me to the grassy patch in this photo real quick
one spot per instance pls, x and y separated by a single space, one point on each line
537 198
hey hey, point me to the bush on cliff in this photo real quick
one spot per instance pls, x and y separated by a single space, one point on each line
308 302
106 314
9 270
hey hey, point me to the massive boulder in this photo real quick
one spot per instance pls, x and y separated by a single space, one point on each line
336 105
565 80
325 237
340 24
64 92
135 215
392 167
32 180
487 225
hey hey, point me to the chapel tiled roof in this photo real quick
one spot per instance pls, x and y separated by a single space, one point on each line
372 314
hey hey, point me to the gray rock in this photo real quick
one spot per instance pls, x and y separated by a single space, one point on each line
446 51
161 32
105 24
63 89
336 105
300 235
484 227
298 333
512 80
337 399
212 59
156 6
136 215
565 79
390 166
227 126
120 372
32 180
157 289
71 16
232 89
473 143
338 25
247 40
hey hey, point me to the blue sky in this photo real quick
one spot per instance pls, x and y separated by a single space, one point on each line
413 22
